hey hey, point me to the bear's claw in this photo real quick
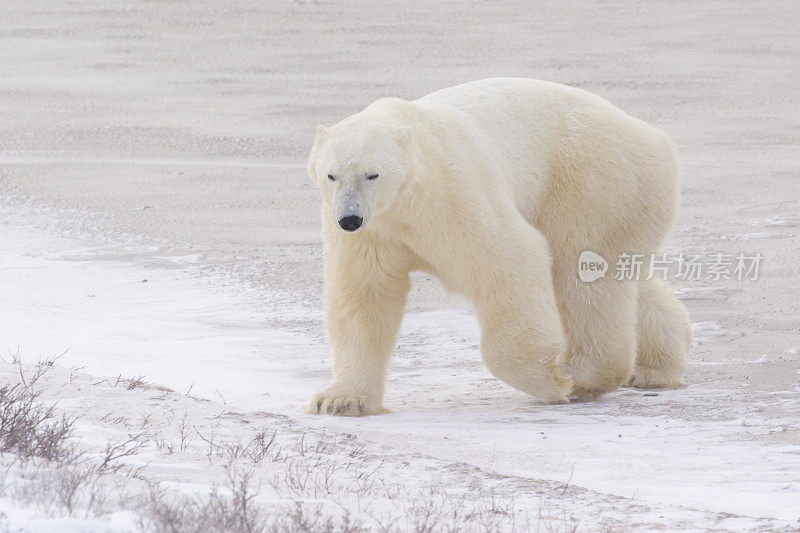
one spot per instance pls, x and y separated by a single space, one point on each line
343 405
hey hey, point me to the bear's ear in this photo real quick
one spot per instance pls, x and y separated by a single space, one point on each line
321 130
404 135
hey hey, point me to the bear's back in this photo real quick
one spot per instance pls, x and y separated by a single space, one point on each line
547 139
529 102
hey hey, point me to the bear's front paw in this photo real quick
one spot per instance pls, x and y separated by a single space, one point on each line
555 390
344 404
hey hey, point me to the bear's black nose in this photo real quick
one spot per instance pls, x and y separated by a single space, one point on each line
351 223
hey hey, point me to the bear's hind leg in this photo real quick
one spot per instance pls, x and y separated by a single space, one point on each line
600 319
664 337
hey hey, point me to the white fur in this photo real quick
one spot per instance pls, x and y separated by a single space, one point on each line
495 187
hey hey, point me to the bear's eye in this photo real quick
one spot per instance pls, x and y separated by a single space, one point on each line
372 177
331 177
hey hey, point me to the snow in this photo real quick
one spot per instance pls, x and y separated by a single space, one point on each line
38 157
193 330
134 320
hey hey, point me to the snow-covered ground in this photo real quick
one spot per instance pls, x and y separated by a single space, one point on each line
701 456
157 222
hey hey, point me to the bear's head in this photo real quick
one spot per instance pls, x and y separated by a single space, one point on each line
360 166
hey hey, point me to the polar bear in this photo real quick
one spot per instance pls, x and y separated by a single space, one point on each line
495 187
